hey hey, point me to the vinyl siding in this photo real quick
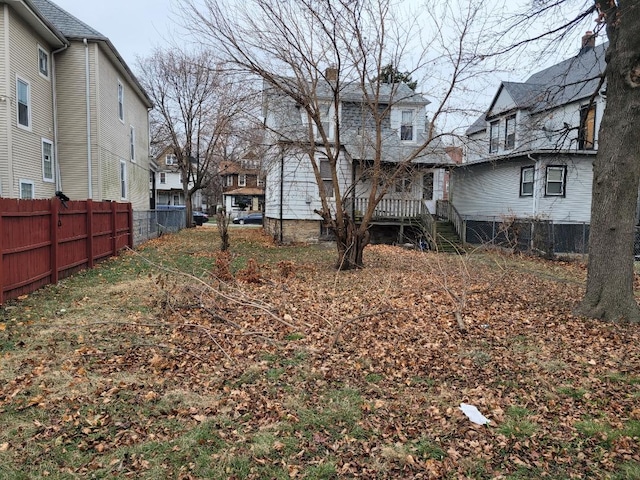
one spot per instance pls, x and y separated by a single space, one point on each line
114 137
493 190
26 145
72 120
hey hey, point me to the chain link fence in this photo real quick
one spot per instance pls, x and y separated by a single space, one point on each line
148 224
543 236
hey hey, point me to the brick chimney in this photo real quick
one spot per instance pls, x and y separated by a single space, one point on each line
331 74
588 41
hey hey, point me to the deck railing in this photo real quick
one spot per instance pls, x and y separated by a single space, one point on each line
388 208
447 211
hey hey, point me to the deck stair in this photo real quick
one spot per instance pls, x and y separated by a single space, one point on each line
447 240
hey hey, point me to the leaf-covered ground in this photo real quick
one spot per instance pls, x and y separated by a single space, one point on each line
287 369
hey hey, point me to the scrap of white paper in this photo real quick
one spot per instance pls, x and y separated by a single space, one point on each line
474 414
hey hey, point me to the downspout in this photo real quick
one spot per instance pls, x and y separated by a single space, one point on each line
55 116
88 101
281 197
5 98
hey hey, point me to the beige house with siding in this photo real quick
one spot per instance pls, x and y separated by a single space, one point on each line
73 117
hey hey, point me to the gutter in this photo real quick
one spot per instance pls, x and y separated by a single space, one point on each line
88 103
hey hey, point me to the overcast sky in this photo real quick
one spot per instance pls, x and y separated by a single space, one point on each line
134 27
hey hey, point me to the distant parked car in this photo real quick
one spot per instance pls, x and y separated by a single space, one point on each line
251 219
199 218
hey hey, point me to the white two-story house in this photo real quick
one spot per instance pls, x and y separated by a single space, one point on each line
530 156
292 193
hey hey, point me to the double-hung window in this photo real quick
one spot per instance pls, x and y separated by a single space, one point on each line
406 125
27 191
494 136
170 159
555 181
327 177
526 181
47 160
242 180
23 94
510 132
120 101
43 62
163 177
229 181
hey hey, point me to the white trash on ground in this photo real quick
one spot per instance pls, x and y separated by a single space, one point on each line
474 414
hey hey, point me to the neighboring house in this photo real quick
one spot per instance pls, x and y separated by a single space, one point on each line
168 182
243 185
292 193
530 157
73 117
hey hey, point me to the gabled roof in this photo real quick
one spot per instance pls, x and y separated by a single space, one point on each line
568 81
74 29
38 22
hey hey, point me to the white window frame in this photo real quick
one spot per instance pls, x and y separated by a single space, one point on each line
51 160
563 180
33 189
404 124
510 132
242 180
229 182
18 103
327 177
163 178
123 180
120 101
132 143
42 53
524 171
171 159
494 140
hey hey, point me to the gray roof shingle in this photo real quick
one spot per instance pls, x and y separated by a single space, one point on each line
69 26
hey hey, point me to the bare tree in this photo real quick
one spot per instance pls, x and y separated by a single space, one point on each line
320 54
198 107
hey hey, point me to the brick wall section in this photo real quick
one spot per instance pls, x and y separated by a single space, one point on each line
294 231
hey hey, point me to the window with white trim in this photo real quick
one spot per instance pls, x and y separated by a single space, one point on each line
123 179
23 97
43 62
555 181
229 181
242 180
163 177
120 101
27 190
427 186
327 177
171 159
132 143
510 132
406 125
47 160
494 136
526 181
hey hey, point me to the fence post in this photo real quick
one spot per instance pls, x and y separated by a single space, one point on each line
2 269
89 233
114 230
54 211
464 232
130 214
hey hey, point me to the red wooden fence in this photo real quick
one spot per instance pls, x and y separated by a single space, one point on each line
42 241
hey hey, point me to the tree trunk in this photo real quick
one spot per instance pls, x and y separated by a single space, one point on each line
616 176
350 241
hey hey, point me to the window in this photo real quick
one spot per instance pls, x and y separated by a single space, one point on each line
229 181
587 130
494 136
260 181
555 184
171 159
526 181
427 186
510 132
23 94
120 101
132 143
43 62
242 180
123 179
47 160
327 178
27 191
406 125
403 185
163 177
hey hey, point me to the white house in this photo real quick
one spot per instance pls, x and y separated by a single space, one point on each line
168 183
530 156
292 192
